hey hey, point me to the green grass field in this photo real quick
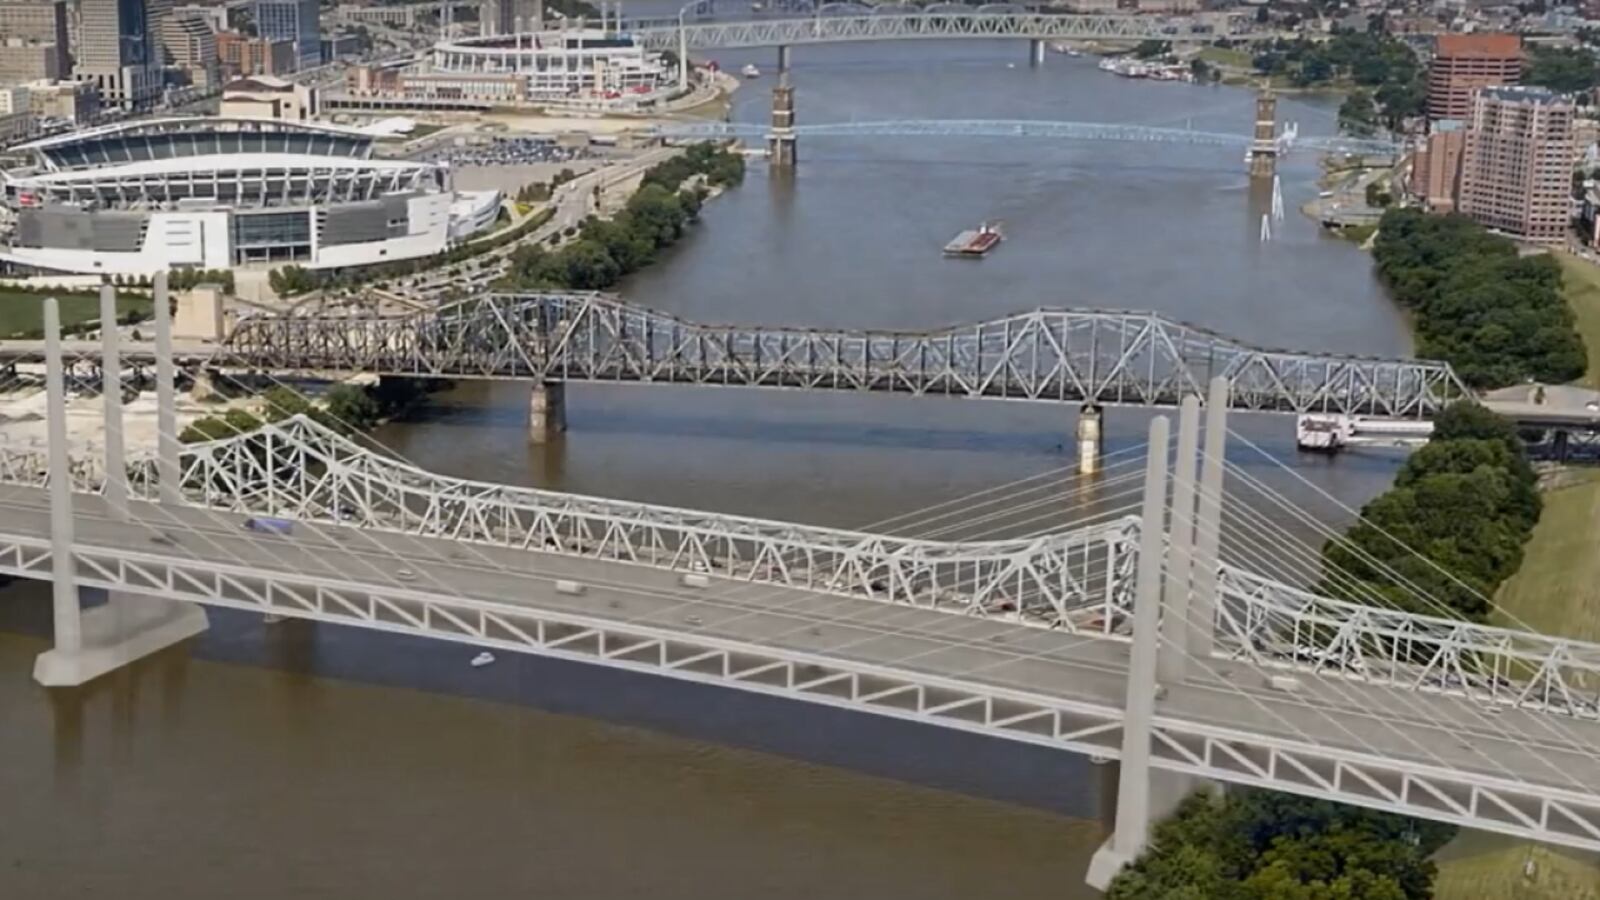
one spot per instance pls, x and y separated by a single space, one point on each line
1581 285
22 315
1479 866
1555 591
1237 59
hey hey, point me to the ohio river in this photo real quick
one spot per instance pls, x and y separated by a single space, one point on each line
292 760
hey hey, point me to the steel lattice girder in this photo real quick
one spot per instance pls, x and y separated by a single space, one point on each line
1294 764
1076 356
298 468
1273 624
891 26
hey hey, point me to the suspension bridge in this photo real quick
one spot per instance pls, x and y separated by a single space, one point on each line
1028 128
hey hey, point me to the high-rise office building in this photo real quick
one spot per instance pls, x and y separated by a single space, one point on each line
191 46
1436 166
38 23
116 52
24 61
1465 62
1516 170
292 20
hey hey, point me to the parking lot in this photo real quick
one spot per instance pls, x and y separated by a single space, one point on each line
510 151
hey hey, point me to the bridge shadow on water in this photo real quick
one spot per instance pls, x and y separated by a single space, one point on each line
631 420
926 755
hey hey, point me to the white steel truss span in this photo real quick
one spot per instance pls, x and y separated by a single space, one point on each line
300 469
1079 581
934 25
1023 128
1179 744
1076 356
1273 624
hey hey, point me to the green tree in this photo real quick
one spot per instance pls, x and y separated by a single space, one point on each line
1570 70
1358 114
282 402
1149 49
1258 845
351 408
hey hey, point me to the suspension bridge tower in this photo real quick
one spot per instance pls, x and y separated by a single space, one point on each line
1264 147
781 139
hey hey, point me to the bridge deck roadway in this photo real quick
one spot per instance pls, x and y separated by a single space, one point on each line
1364 719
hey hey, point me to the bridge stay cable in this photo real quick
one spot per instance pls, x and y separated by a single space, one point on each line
1453 659
1341 675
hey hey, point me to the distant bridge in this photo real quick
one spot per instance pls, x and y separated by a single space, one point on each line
840 23
1075 356
1025 128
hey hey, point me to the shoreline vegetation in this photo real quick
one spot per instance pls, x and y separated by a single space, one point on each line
668 201
1469 502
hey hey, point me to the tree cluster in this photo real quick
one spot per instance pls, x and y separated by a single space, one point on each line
1570 70
1258 845
1391 82
1151 49
1498 318
184 279
289 281
345 408
1467 502
655 217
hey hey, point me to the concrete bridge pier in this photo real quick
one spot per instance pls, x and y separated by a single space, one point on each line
114 630
1035 52
781 139
1089 439
783 58
1264 145
547 412
1166 610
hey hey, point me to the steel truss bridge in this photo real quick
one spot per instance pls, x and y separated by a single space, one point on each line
1025 128
1076 356
942 22
1038 656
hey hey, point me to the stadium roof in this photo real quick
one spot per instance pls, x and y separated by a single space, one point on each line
228 162
190 124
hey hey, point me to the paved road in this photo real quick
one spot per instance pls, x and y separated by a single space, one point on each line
1432 729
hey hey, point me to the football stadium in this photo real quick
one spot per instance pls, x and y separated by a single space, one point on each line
143 197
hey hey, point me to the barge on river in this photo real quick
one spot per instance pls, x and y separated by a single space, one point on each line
975 243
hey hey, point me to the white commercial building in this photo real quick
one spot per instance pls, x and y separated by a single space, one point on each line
212 193
571 64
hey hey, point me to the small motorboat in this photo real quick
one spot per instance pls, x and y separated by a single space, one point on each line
482 659
750 71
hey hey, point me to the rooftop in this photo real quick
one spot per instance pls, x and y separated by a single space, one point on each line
1524 94
1479 45
259 83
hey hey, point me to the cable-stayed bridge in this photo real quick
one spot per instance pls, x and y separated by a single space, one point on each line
1049 637
1018 639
